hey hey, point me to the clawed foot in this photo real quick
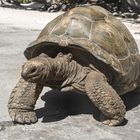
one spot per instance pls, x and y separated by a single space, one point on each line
109 122
23 116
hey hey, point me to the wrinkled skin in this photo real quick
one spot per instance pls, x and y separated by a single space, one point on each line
63 73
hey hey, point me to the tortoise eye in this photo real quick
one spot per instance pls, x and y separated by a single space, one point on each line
69 57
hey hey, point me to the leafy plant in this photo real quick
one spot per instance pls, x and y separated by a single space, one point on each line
24 1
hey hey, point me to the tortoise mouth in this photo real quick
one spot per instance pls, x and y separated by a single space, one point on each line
33 79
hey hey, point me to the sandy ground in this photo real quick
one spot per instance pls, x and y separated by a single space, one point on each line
34 20
61 116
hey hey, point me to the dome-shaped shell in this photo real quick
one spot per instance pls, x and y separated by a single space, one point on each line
93 29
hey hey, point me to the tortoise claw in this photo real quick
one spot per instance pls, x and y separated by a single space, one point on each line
109 121
23 116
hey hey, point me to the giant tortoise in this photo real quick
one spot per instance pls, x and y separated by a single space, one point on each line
86 50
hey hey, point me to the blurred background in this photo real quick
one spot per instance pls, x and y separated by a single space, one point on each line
123 8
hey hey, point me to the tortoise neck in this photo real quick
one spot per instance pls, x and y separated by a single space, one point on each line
63 69
65 73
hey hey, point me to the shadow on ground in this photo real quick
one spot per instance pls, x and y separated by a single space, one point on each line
60 105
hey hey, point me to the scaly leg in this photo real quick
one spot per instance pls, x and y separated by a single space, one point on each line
22 101
105 99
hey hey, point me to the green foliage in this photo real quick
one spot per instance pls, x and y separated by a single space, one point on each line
24 1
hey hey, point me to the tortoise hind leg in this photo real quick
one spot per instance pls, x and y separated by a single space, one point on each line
22 101
105 99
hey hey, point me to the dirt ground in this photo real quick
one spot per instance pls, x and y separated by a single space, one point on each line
66 116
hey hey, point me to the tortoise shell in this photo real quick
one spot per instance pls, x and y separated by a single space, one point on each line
92 30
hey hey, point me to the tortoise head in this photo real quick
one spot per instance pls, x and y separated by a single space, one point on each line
37 69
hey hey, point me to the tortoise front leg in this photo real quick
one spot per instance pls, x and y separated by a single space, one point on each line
22 101
105 99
